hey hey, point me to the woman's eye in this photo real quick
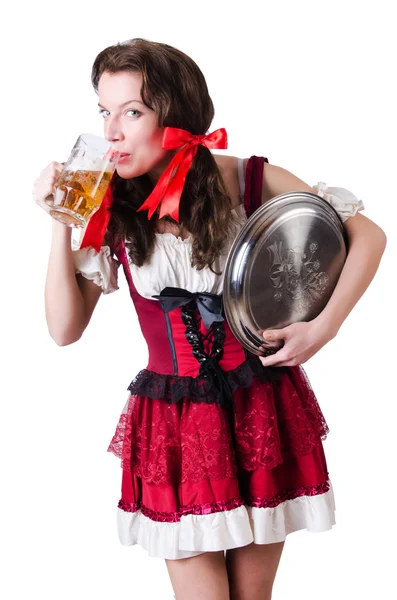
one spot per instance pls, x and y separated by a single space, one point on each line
105 113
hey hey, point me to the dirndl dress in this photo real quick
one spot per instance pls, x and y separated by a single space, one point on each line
216 450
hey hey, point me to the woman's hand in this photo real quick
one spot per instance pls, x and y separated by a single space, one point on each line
301 341
43 189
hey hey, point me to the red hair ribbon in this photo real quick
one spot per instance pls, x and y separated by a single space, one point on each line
168 189
98 223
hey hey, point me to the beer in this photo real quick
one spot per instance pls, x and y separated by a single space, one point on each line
82 185
79 192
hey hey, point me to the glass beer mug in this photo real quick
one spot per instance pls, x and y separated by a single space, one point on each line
82 185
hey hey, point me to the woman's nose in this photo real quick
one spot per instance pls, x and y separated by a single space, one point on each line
113 132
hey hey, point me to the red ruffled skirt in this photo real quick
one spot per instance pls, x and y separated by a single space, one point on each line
199 477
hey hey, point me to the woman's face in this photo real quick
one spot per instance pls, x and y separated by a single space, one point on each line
131 126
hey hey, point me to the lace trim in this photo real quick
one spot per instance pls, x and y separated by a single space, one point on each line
175 443
172 388
214 507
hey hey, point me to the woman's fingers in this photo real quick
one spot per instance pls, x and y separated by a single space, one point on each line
43 187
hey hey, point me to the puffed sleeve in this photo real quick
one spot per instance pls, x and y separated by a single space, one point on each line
344 202
100 267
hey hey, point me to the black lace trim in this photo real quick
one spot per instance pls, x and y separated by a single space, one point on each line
172 388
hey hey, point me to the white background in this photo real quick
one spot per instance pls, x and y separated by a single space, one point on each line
310 85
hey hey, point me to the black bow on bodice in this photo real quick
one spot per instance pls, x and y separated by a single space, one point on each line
210 306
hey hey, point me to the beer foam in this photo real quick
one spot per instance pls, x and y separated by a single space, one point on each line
82 163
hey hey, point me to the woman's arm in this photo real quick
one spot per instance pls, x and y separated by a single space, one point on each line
69 300
367 242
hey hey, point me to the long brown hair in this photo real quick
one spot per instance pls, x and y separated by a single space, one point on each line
174 87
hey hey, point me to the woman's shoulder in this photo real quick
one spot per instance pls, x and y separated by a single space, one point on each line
228 166
231 163
276 179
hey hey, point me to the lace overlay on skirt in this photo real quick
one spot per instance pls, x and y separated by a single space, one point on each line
184 440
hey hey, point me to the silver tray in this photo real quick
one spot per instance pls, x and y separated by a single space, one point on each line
282 267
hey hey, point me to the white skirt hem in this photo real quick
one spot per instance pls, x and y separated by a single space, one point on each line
196 534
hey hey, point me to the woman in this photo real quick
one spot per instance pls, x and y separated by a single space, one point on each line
221 451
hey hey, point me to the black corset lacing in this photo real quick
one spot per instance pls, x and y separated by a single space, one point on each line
209 363
210 309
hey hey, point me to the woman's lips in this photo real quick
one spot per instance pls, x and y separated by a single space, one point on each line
124 157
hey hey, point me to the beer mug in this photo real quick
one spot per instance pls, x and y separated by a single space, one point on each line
82 185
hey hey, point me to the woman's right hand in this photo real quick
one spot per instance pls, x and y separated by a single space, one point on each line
43 188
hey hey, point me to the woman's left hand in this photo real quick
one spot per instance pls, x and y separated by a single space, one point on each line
301 341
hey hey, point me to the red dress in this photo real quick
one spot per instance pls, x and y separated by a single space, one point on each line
216 450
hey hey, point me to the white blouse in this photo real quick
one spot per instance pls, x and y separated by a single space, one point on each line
170 265
344 202
100 267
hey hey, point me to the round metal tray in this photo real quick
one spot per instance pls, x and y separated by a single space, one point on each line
282 267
